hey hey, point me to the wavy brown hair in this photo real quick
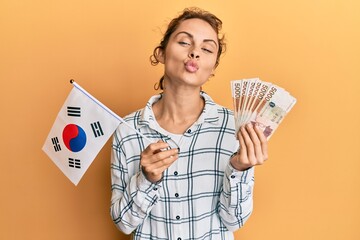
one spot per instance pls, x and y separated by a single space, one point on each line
188 13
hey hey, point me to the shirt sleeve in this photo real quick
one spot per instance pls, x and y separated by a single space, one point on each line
236 199
132 196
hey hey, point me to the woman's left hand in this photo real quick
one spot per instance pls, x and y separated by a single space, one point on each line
253 148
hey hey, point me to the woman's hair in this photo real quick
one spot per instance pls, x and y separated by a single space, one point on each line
188 13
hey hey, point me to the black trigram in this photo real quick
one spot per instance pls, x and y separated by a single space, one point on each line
55 142
73 111
74 163
96 127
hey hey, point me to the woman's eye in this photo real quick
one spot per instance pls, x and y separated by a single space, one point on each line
207 50
184 43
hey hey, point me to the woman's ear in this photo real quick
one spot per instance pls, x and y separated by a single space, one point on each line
161 56
213 72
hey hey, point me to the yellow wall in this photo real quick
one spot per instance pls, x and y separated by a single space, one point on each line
309 188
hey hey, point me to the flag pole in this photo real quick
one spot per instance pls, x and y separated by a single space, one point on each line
72 81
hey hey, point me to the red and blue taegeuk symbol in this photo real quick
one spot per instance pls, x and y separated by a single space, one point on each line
74 137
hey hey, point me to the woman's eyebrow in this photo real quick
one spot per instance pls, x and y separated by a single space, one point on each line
192 37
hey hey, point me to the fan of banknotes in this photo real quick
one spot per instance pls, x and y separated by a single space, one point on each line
261 103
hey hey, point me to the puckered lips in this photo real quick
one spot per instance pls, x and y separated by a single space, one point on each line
191 66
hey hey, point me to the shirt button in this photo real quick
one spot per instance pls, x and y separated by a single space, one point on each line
155 189
189 131
179 238
176 195
232 176
176 173
177 217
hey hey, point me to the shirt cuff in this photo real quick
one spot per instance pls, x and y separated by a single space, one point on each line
145 185
147 194
239 176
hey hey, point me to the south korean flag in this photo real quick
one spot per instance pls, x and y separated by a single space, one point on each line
81 129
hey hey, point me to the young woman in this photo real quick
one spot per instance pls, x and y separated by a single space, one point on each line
195 181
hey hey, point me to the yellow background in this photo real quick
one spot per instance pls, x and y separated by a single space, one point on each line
309 188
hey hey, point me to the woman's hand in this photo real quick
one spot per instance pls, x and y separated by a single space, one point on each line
155 160
253 148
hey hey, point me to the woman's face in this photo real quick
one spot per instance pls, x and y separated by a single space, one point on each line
191 54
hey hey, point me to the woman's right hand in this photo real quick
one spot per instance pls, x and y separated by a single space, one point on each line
155 160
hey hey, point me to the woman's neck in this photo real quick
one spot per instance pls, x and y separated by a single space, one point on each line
176 111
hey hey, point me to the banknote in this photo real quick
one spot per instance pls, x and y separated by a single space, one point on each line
262 103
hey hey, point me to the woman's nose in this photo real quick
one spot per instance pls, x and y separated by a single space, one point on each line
194 55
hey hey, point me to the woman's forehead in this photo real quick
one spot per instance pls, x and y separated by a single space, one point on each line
197 28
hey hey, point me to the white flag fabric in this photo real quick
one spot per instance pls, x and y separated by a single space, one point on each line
81 129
